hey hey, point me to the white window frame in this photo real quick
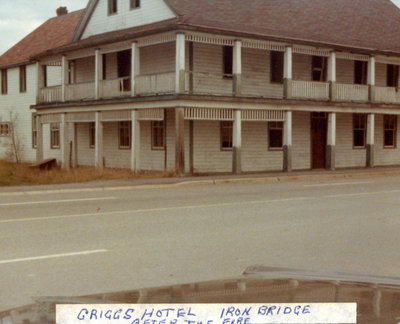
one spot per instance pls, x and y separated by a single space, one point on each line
5 129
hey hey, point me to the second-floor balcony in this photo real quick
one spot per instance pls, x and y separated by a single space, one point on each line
204 72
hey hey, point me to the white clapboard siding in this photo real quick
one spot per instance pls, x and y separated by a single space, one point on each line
19 105
346 155
302 67
157 58
256 74
385 156
84 69
380 74
301 146
150 11
344 71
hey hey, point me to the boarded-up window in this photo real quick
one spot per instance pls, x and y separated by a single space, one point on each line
227 60
34 131
4 82
392 75
55 135
359 130
226 135
112 7
275 135
276 67
124 129
157 135
390 130
135 4
360 72
22 78
92 135
319 67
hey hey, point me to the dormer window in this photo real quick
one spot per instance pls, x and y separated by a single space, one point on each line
135 4
112 7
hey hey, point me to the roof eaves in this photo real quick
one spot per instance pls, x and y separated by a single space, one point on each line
84 20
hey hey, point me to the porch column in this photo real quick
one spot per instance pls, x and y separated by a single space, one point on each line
64 77
180 63
370 140
39 139
237 142
287 72
98 58
371 78
64 142
237 68
135 66
287 142
179 142
331 142
40 81
135 147
332 75
98 151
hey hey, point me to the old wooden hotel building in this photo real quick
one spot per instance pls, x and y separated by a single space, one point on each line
207 86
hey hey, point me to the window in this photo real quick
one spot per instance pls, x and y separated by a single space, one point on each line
112 7
22 79
92 135
226 135
104 70
392 75
4 81
5 129
275 135
360 72
54 135
157 135
34 131
227 59
390 130
319 67
124 129
135 4
276 67
359 127
44 67
124 69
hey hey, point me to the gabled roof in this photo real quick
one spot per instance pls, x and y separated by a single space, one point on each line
55 32
364 24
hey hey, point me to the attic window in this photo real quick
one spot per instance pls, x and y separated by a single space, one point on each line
135 4
112 7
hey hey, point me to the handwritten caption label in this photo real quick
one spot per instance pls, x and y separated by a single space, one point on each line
207 313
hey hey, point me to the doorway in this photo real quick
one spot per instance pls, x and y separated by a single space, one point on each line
319 124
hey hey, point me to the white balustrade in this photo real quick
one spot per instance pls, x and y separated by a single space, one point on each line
350 92
310 89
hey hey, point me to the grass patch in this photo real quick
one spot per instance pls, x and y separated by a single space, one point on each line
12 174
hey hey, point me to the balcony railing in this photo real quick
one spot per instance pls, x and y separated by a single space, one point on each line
310 90
79 91
387 94
115 87
350 92
253 85
50 94
155 83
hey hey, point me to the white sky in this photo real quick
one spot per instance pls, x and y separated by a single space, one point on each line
19 17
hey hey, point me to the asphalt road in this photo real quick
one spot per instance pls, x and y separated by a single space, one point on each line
77 242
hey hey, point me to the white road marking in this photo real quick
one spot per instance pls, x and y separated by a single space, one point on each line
150 210
55 201
363 194
338 184
53 256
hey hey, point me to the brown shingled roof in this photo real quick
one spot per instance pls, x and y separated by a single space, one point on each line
365 24
53 33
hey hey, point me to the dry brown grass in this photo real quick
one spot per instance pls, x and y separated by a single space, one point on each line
12 174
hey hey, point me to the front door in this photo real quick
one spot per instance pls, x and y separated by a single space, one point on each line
319 123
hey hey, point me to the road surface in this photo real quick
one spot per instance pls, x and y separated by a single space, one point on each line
77 242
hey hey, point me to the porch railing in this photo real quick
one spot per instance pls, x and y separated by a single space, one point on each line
79 91
350 92
209 83
310 89
50 94
387 94
115 87
155 83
